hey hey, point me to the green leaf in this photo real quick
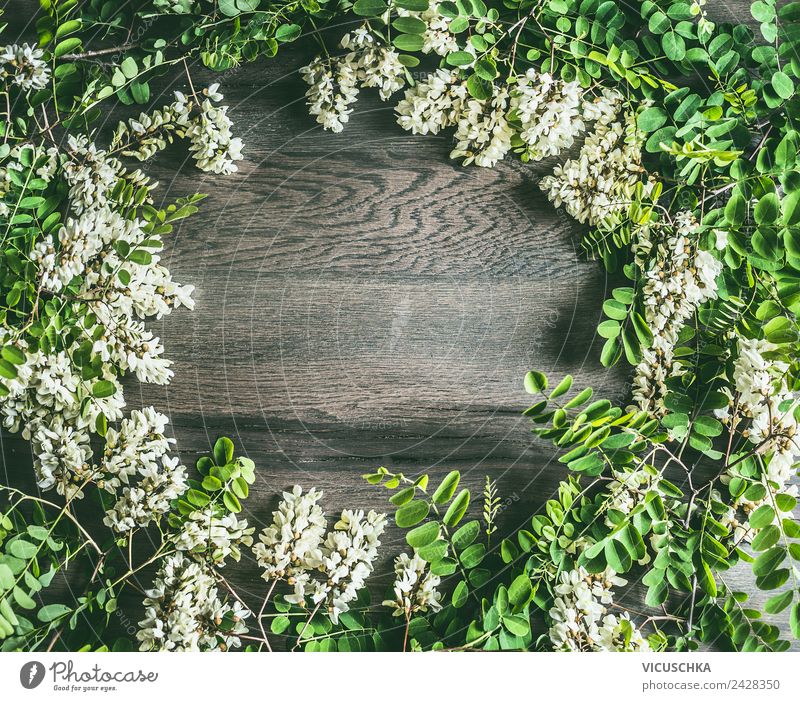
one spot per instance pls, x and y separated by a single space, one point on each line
411 25
51 612
473 555
782 84
479 88
766 537
231 502
288 32
617 556
197 498
444 492
794 620
280 624
369 8
767 209
460 594
23 599
651 119
562 387
423 535
412 513
408 42
520 591
705 579
517 625
67 46
13 355
223 451
535 382
778 603
23 549
459 58
768 561
103 388
762 516
403 496
128 67
465 535
674 46
457 509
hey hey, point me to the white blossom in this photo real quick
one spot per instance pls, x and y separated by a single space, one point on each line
414 587
597 186
184 612
433 104
678 277
23 66
347 554
483 134
334 87
549 113
214 536
212 143
291 544
580 618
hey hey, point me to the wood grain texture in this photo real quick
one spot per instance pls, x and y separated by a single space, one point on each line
361 301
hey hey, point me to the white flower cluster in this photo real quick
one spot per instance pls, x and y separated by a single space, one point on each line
212 536
23 66
581 622
295 547
544 113
483 134
629 488
678 278
184 612
414 587
348 552
214 148
763 397
334 81
207 127
290 545
599 184
138 471
433 104
437 38
549 112
104 267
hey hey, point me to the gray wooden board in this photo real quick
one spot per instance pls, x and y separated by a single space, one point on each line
362 300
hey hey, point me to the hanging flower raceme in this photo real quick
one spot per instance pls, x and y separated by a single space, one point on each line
185 613
678 278
598 186
581 621
414 587
549 114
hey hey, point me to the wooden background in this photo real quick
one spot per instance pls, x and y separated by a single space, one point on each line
362 300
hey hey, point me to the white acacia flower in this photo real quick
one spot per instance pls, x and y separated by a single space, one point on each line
432 104
22 65
334 87
414 587
211 141
215 537
549 113
346 558
580 618
598 185
483 134
678 278
290 545
185 613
